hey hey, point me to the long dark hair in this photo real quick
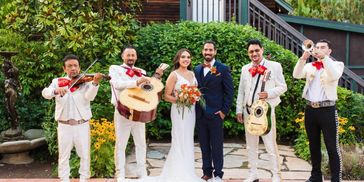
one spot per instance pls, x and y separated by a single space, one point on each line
178 56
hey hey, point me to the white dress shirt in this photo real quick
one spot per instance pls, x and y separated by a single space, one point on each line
206 69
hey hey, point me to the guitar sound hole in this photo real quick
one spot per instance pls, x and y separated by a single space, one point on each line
258 112
147 87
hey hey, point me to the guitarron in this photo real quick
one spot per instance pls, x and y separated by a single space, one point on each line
259 119
140 103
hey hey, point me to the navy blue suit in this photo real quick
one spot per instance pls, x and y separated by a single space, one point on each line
217 90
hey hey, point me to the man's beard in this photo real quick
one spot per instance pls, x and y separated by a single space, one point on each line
208 59
130 63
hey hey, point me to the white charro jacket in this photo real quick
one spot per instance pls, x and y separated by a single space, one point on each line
329 77
120 80
82 98
275 86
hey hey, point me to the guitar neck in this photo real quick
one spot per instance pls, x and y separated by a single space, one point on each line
263 87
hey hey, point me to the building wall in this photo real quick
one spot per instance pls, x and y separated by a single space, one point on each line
159 11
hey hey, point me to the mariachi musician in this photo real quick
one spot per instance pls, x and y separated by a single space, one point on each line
72 113
122 77
250 80
320 91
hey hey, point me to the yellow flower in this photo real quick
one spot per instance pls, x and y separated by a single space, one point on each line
352 128
341 130
97 146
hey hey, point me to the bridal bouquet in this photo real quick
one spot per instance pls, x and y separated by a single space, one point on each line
188 96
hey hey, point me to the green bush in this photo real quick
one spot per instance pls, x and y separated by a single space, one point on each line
158 43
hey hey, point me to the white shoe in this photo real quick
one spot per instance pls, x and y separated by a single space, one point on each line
251 178
276 178
218 179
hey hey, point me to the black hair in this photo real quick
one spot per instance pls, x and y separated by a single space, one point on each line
210 42
127 47
325 41
68 57
254 42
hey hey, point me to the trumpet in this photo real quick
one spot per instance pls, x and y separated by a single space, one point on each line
308 45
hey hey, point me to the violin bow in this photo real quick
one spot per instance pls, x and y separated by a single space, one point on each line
83 73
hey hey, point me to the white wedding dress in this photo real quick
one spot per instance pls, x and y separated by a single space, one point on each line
180 163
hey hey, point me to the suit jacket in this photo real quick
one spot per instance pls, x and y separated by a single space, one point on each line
275 86
81 97
329 77
217 90
120 80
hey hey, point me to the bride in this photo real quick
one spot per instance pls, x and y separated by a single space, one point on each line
180 163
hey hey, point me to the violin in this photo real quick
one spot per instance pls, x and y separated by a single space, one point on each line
76 80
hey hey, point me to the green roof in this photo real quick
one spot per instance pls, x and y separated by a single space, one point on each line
323 23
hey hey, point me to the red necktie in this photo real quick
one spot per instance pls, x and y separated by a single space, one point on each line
260 69
318 65
208 65
132 71
64 82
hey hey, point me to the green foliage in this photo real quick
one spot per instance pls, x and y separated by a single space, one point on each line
10 41
349 11
90 29
158 43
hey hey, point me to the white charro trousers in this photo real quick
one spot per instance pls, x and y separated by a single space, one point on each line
79 137
123 128
270 144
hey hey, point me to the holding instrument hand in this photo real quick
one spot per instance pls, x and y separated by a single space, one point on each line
263 95
142 80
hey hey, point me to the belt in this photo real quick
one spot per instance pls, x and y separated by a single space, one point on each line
73 122
326 103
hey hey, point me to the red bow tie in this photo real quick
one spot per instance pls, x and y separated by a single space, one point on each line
132 71
318 65
64 82
260 69
208 65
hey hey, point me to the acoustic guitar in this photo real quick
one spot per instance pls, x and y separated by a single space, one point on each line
140 103
259 119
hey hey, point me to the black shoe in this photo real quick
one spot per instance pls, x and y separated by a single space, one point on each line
311 180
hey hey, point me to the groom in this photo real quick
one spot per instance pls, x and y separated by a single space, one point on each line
215 82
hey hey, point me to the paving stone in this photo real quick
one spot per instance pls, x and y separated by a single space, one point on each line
287 153
155 163
155 154
285 148
155 171
233 161
242 152
159 145
198 155
227 150
233 145
267 157
297 164
296 175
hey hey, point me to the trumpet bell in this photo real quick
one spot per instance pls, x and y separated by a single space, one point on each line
308 45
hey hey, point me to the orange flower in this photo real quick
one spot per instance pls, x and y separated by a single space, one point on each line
213 70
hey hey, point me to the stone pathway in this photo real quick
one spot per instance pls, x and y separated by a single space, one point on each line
294 169
235 162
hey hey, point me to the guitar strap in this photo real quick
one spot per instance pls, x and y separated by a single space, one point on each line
255 90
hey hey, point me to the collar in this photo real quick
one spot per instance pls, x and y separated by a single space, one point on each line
212 62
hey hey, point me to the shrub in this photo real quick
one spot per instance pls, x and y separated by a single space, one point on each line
158 43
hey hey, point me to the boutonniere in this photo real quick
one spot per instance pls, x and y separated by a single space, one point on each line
214 71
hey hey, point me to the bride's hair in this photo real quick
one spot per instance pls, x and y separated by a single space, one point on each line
178 56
